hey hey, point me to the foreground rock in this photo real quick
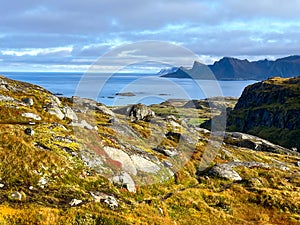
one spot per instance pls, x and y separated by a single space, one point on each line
31 116
227 171
75 202
94 161
4 98
16 195
83 124
28 101
55 111
29 131
136 112
214 102
123 158
69 113
124 180
255 143
107 199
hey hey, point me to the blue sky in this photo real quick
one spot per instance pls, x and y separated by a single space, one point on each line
69 35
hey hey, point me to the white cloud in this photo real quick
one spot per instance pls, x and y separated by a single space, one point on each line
36 51
89 29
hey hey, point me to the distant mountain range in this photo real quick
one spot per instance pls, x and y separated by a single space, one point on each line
235 69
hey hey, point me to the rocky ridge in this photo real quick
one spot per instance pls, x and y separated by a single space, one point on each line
229 68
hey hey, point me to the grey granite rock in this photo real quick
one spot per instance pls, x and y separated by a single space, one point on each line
125 180
28 101
31 116
69 113
226 170
122 157
111 201
144 165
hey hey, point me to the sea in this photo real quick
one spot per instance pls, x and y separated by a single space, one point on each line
129 88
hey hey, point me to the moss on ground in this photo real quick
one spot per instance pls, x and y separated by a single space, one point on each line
264 196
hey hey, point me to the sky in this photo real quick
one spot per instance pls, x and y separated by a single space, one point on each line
70 35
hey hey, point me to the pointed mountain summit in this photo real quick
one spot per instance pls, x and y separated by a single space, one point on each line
198 71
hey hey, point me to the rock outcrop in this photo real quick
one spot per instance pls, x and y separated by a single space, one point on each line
226 170
254 143
270 109
215 103
136 112
31 116
83 124
125 180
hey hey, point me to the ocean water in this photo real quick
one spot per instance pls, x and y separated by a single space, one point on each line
146 88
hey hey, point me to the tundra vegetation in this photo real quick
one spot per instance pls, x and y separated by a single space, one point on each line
76 161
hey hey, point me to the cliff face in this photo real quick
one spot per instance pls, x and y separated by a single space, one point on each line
232 69
270 109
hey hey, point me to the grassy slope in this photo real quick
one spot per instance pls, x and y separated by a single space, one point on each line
188 198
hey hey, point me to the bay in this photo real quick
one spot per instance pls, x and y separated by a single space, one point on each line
143 88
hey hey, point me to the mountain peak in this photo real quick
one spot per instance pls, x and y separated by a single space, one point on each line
290 58
229 68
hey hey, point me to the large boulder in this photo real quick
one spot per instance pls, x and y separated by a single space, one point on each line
93 160
69 113
144 165
84 104
103 109
31 116
122 157
141 112
55 111
124 180
54 100
3 85
53 107
226 170
136 112
111 201
4 98
84 124
28 101
255 143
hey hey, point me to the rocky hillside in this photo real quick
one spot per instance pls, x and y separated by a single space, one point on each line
235 69
76 161
270 109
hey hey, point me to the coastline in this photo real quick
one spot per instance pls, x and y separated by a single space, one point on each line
146 88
